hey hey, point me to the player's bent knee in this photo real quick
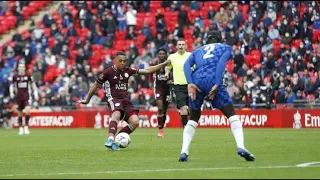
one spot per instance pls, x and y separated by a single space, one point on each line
184 110
116 116
192 123
233 119
27 110
134 120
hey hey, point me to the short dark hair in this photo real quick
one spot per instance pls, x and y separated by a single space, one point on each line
214 37
162 49
180 39
121 53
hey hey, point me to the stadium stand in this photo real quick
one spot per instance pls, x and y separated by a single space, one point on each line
276 46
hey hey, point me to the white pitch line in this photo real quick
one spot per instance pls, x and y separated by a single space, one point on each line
307 164
157 170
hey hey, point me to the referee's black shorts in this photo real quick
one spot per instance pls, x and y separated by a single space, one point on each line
181 92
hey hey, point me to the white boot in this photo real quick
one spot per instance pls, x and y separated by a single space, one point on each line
20 130
26 130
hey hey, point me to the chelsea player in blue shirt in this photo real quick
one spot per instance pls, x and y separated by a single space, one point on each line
205 81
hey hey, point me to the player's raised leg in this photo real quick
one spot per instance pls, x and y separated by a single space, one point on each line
113 125
237 131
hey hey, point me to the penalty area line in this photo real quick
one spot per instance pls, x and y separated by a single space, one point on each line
158 170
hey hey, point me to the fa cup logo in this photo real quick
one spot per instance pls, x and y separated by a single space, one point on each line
98 119
297 120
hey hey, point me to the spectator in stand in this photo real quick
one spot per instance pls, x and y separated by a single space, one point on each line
268 46
38 32
306 17
133 54
306 32
196 31
297 83
146 31
54 31
183 17
171 41
308 56
231 39
121 18
287 39
290 96
211 13
131 34
282 50
61 9
66 20
254 16
27 53
146 6
161 27
71 31
238 60
178 32
144 59
316 22
238 16
165 4
175 6
301 65
131 17
297 28
159 15
195 5
285 27
160 41
111 26
287 11
17 11
272 14
221 17
273 33
47 20
49 58
197 43
267 21
4 7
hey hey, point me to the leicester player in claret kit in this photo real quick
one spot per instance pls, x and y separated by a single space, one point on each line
162 92
115 82
22 82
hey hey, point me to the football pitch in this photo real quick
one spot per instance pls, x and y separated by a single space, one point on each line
80 153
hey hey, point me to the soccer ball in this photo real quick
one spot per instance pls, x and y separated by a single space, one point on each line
122 140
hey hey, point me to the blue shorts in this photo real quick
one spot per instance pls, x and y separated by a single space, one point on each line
221 99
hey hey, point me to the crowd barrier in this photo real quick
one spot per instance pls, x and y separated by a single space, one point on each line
284 118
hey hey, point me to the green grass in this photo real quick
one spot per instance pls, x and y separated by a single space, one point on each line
80 153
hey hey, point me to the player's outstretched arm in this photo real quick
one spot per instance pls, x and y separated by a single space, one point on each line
155 68
91 92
